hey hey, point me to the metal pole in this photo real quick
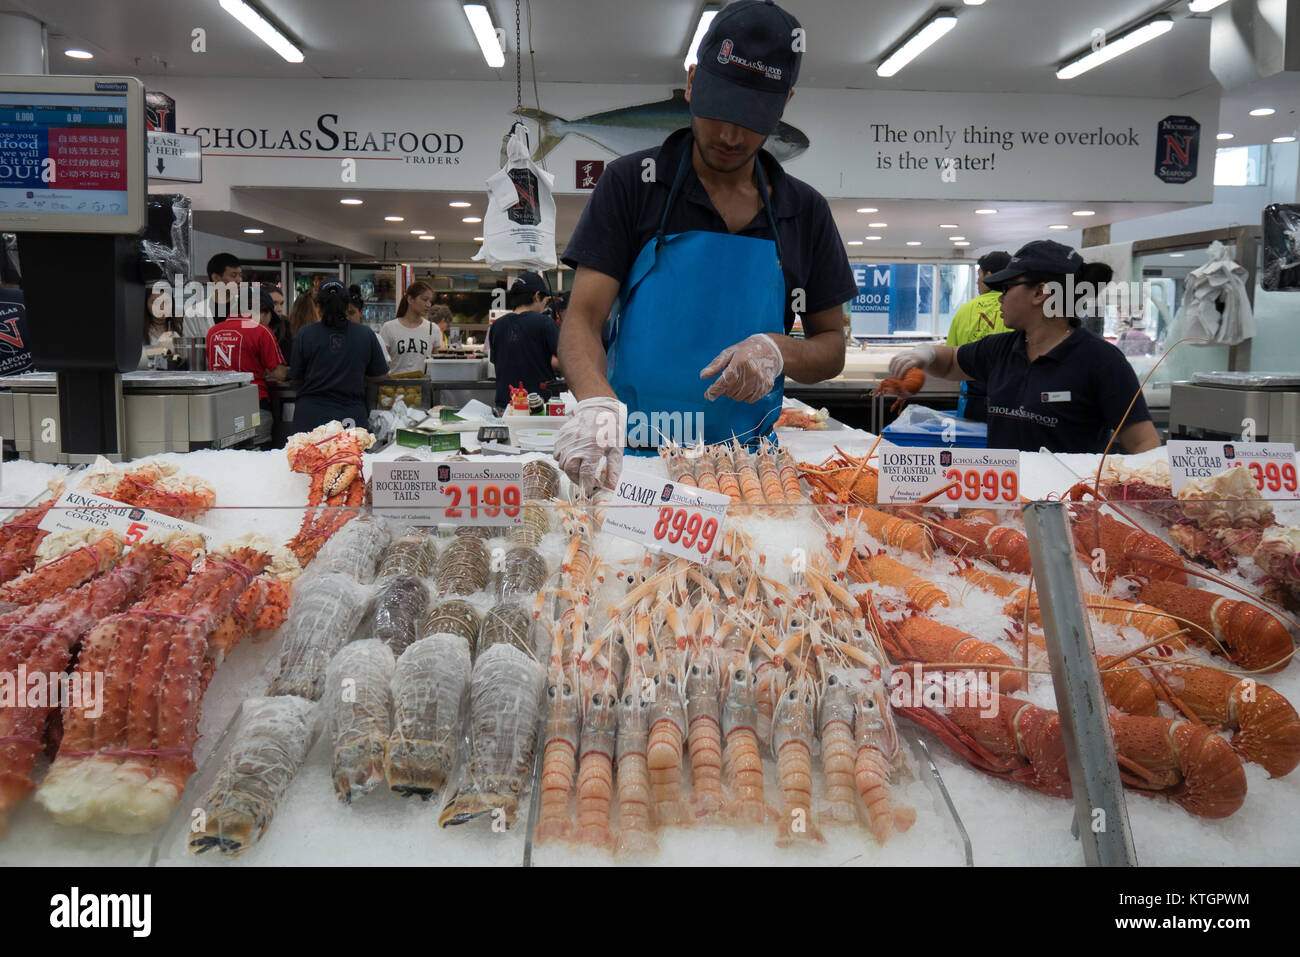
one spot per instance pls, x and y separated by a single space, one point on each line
1100 813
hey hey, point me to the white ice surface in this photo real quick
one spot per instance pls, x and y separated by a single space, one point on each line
1007 823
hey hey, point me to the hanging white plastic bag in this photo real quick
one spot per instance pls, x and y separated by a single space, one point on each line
519 226
1216 306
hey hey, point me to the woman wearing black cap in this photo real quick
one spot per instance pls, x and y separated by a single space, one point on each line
1051 383
332 361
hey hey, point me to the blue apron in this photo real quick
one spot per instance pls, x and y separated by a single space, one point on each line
688 297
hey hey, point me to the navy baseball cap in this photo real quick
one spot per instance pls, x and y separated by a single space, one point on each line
331 285
1041 256
748 64
530 282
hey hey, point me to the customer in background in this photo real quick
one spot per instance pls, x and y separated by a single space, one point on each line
332 361
523 343
224 275
15 346
302 314
242 344
160 327
279 323
356 305
559 304
411 337
440 316
974 320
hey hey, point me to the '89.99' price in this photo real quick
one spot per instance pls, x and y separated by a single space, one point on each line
987 485
689 528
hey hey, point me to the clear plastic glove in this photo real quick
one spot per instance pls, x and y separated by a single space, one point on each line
749 370
918 358
591 434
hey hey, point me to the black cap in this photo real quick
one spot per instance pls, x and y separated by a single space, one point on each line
995 261
748 65
530 282
1042 256
331 285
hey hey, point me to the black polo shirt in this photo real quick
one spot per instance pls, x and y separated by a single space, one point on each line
623 214
1068 400
522 344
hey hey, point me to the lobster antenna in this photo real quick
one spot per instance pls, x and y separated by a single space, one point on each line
1133 401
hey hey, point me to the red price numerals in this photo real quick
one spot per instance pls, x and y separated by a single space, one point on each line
1274 477
135 532
974 485
493 499
692 529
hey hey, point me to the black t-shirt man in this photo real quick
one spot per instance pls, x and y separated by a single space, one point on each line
624 212
1068 400
521 345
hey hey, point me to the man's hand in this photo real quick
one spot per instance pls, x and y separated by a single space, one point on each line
922 357
590 435
749 370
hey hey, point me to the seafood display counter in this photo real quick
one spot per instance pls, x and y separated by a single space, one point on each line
844 682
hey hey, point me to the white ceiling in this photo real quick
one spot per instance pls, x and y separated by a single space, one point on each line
1002 46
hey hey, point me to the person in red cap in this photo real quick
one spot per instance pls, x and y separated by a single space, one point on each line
701 252
1051 383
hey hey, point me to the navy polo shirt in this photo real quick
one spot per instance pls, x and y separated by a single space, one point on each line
1067 400
624 212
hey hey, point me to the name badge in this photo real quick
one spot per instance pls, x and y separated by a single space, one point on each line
1055 396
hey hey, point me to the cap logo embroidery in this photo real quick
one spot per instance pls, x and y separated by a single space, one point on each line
725 56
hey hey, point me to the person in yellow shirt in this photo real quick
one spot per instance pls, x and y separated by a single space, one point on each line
973 320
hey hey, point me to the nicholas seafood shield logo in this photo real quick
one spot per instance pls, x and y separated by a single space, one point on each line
1229 452
444 473
1177 146
945 459
724 53
667 494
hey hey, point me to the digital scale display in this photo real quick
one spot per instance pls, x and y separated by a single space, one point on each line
63 153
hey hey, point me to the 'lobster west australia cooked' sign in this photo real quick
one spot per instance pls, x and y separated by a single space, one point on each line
987 477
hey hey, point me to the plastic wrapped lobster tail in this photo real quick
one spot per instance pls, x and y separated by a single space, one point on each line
358 702
271 743
463 567
399 611
524 572
457 617
509 623
355 549
412 554
325 610
505 699
430 697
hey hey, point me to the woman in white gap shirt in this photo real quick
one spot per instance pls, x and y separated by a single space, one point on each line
411 337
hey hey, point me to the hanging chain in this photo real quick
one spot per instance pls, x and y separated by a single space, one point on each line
519 63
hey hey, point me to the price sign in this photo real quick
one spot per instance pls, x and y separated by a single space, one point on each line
449 493
679 519
1272 464
984 477
75 511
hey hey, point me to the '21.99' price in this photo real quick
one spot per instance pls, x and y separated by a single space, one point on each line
493 499
1273 477
987 485
691 529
